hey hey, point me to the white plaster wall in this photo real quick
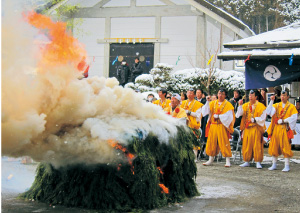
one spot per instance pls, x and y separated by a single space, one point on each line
148 3
139 27
83 3
87 32
117 3
181 32
180 2
228 36
213 39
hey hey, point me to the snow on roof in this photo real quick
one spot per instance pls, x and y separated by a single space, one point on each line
224 15
283 35
258 53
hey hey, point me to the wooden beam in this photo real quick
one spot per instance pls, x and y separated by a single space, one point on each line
52 9
167 2
131 40
225 21
141 11
101 3
263 57
262 46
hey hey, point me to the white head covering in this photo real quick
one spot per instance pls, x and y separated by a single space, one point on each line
177 96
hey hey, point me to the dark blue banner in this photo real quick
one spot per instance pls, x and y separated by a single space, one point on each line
270 73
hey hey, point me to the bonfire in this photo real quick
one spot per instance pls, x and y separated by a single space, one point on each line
100 145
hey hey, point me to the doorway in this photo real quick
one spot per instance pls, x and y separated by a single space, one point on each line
128 52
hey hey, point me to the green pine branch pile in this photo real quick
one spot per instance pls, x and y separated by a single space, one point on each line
108 188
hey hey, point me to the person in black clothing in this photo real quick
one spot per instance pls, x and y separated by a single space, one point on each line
263 93
203 100
277 90
183 96
199 96
123 73
235 103
136 69
204 118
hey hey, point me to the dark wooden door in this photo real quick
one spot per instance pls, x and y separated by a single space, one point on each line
128 52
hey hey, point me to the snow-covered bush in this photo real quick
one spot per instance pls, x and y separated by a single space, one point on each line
161 76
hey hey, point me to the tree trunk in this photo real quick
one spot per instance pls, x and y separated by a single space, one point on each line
267 22
259 28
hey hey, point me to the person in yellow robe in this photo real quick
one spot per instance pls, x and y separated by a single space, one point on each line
219 127
175 110
193 108
281 129
253 127
163 101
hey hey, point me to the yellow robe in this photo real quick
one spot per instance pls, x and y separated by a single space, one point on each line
280 144
193 107
218 135
164 104
180 114
252 139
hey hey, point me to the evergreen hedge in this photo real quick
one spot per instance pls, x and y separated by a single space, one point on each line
107 187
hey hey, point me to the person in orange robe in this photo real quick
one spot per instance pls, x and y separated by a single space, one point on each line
163 101
175 110
219 127
193 108
253 127
281 129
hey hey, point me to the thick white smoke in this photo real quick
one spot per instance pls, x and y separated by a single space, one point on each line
51 115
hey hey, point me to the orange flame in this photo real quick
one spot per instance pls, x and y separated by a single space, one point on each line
164 188
125 151
63 48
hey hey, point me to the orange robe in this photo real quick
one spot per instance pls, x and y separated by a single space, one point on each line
218 134
252 139
280 144
192 106
164 104
180 114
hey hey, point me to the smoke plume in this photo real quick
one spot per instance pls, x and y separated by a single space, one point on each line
48 113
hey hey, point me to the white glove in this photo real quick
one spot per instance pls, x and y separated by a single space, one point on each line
280 121
284 121
186 111
216 116
252 120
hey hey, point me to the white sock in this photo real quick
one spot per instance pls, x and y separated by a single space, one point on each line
210 161
258 165
274 165
246 164
227 162
286 165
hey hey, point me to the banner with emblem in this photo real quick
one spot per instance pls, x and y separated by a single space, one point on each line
270 73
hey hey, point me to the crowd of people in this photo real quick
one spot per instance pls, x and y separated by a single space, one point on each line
125 74
217 116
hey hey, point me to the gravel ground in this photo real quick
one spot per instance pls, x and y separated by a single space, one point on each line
233 189
238 189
